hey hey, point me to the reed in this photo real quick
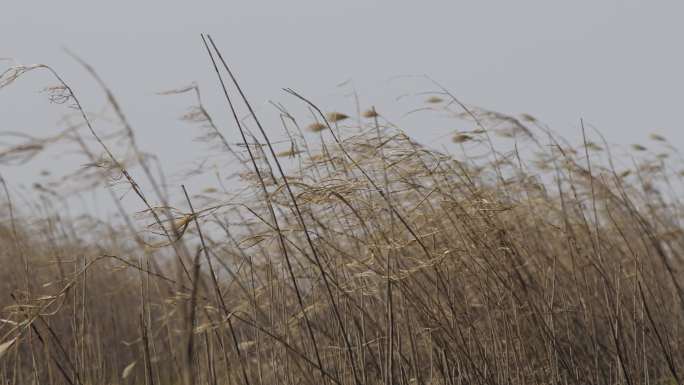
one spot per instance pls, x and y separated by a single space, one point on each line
355 255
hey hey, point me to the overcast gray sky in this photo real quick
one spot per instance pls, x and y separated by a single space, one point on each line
617 64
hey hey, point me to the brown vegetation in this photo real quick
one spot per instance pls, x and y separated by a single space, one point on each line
368 259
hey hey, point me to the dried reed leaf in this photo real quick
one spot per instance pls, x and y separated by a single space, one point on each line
316 127
461 138
252 241
289 153
246 344
4 347
180 90
128 370
336 116
370 113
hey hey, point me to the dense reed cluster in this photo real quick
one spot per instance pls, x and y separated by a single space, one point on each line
351 254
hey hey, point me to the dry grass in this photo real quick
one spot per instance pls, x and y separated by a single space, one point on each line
370 259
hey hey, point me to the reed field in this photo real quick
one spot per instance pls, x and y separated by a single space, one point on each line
347 254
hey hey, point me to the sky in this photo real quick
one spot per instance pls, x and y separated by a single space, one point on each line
615 64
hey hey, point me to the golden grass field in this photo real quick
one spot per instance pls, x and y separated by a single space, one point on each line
353 255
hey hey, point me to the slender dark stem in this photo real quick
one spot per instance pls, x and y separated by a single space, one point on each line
274 218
